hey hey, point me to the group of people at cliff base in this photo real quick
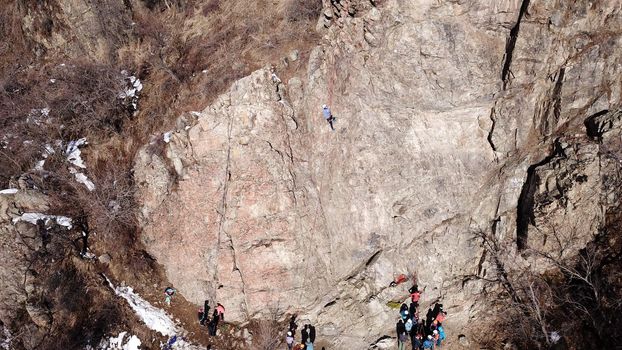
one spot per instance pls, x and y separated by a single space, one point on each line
217 316
307 336
425 333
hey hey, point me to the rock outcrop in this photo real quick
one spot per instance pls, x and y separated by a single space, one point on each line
451 119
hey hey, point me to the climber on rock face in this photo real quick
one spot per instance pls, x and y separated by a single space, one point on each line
328 116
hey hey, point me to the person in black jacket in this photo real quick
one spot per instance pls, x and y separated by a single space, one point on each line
292 324
212 327
312 333
205 317
400 329
304 333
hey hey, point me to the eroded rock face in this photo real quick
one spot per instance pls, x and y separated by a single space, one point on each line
437 134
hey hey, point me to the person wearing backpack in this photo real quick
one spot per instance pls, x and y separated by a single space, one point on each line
408 326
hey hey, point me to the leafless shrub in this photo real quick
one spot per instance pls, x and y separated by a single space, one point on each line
303 10
268 333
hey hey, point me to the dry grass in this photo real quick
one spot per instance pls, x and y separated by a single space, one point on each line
186 52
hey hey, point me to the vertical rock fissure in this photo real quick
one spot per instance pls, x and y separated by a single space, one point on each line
511 44
492 129
290 168
223 218
525 207
557 95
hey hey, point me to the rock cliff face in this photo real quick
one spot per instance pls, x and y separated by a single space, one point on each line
452 118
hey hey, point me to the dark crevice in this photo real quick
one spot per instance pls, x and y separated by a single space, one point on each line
525 209
492 129
374 344
331 303
511 43
557 95
373 258
593 125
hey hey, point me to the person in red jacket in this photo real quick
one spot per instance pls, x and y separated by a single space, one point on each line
220 310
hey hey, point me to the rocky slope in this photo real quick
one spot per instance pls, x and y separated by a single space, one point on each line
454 121
477 149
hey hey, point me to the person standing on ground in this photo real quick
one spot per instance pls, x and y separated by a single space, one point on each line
292 324
415 295
220 310
212 327
400 329
289 340
305 333
428 343
328 116
412 309
312 333
168 295
205 317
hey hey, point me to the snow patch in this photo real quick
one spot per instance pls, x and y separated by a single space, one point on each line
167 136
9 191
153 317
116 343
81 178
73 152
34 217
74 157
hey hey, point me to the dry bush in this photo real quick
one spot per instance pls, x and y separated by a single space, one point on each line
578 299
268 333
303 10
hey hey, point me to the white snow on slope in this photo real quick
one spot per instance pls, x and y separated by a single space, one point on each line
117 343
9 191
34 217
73 152
83 179
167 136
154 318
74 157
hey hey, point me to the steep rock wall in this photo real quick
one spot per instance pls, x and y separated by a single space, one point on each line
441 109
